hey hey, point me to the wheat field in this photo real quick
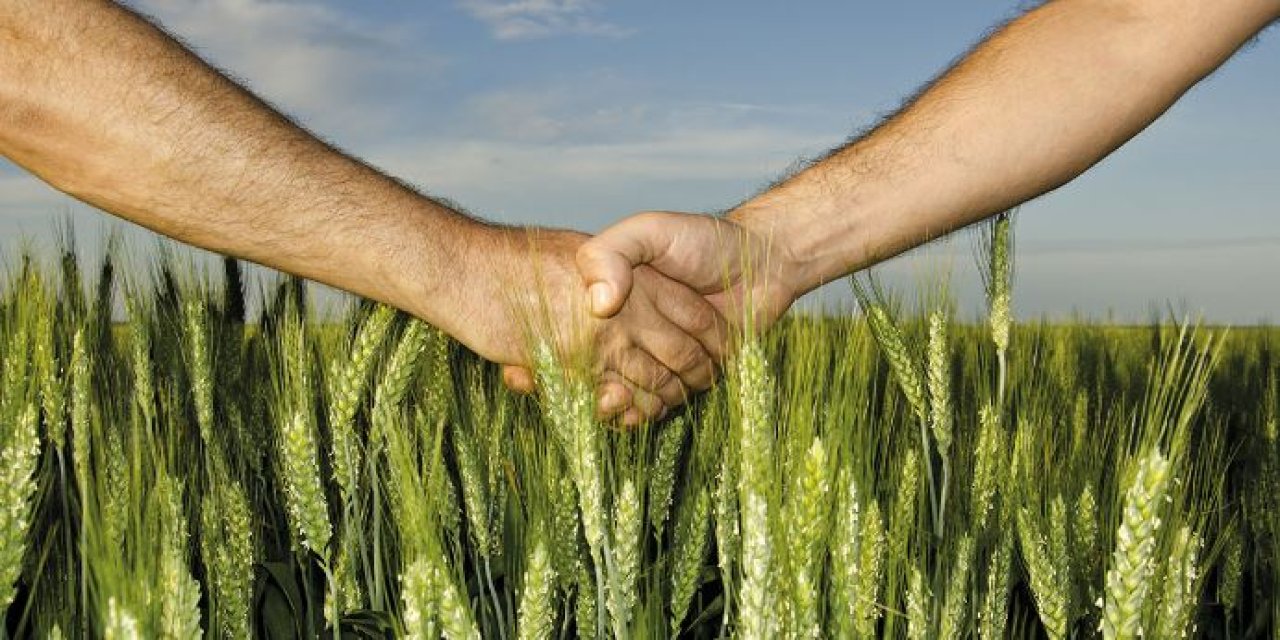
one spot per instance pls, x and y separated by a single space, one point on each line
171 467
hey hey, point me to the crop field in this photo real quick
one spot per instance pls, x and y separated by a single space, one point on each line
172 467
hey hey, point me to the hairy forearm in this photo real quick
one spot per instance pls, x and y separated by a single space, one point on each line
108 108
1029 109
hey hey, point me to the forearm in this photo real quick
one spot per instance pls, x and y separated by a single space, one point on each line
1028 110
109 109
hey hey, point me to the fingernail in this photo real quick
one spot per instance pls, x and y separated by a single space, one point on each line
600 294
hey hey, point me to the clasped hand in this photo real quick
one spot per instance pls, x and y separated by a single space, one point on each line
658 298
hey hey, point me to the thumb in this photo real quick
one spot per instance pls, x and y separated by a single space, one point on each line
606 262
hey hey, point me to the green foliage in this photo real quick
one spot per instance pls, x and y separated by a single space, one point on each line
176 470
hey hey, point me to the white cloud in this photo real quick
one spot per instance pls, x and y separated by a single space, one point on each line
528 19
329 66
602 108
688 155
555 142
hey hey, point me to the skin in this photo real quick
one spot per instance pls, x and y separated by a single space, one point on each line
1029 109
106 107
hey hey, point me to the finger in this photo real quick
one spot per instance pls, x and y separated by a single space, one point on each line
606 270
518 379
648 375
677 352
605 261
640 404
632 418
635 417
644 404
613 395
690 312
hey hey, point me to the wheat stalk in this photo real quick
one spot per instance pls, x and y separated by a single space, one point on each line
688 552
918 599
1087 543
997 275
846 541
200 365
475 494
116 496
728 530
418 602
1060 554
902 520
939 382
1232 570
871 563
21 449
569 409
1181 581
905 367
999 278
757 598
857 564
226 543
53 394
662 478
19 452
438 396
955 606
121 623
627 534
1047 584
1133 561
456 620
143 377
536 612
808 511
347 380
394 384
564 530
81 410
180 595
304 496
586 613
990 459
995 602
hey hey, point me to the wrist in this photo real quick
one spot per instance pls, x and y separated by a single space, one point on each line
823 229
499 284
447 271
793 237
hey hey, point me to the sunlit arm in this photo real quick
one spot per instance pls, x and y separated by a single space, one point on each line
1032 107
109 109
106 107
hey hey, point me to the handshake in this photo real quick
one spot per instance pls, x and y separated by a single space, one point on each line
655 301
656 298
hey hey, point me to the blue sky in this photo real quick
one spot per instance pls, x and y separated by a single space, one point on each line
576 112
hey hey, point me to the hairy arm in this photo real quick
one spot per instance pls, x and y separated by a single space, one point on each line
1029 109
109 109
1033 106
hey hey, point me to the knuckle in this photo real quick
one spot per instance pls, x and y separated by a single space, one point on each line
646 402
661 378
689 357
700 318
